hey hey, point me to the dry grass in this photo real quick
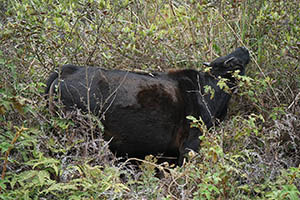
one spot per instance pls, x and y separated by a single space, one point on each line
253 154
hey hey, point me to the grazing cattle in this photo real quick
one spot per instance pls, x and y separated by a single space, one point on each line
145 113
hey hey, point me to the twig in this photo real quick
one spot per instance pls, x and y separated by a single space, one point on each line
18 133
295 101
159 166
113 95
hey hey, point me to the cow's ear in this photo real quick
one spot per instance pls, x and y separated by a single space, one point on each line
206 64
232 61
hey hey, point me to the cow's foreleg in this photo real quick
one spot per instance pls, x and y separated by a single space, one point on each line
191 143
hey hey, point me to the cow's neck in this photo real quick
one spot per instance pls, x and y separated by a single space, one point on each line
217 106
231 81
199 103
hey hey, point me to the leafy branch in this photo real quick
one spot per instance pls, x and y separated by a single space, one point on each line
18 134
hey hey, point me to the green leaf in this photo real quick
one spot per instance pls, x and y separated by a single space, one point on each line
4 146
209 90
24 176
60 187
43 176
2 184
192 118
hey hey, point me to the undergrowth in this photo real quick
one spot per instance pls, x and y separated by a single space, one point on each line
253 154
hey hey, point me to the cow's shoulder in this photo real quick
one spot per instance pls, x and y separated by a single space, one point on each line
187 79
188 85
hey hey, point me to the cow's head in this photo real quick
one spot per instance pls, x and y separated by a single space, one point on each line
225 65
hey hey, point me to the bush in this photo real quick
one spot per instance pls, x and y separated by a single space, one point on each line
254 154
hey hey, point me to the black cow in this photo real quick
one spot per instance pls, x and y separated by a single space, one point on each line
145 113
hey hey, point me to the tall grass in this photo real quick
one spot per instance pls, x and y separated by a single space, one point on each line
253 154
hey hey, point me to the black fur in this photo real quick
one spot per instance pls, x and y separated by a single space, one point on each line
146 114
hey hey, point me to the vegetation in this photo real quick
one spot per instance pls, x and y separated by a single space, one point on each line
253 154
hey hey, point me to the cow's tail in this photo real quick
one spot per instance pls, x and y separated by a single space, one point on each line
49 91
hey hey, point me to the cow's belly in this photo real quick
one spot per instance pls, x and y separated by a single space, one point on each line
140 149
139 132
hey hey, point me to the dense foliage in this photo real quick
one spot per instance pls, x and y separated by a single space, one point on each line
253 154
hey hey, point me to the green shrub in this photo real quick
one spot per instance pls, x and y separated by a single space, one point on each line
253 154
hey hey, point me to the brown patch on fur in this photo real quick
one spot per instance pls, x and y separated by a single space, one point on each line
180 135
155 97
173 71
